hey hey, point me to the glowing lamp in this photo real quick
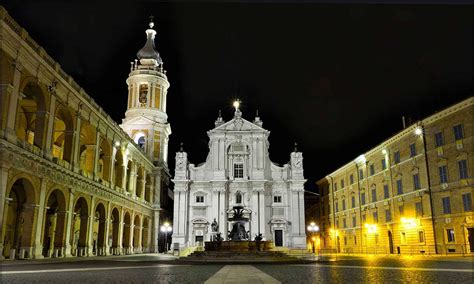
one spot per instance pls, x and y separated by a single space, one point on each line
384 151
236 104
418 131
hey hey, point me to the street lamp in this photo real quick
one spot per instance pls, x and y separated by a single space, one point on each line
313 228
165 229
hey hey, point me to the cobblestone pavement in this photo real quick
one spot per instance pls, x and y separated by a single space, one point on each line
158 269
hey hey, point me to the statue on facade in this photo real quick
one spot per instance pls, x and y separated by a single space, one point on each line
214 226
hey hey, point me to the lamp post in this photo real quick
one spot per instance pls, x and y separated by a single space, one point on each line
313 228
165 229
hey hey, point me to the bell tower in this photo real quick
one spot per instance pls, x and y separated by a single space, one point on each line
146 121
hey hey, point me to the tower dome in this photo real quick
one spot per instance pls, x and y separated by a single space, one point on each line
148 51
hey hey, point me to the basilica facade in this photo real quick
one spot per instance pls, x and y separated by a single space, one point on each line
72 181
238 172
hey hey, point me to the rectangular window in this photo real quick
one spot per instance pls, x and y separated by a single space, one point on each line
450 235
364 218
386 193
401 210
362 198
374 195
344 223
337 223
412 150
342 183
443 174
345 241
384 164
399 187
353 201
372 170
458 133
337 206
446 205
439 140
199 199
403 237
396 157
388 215
421 236
375 217
361 174
467 202
376 238
416 181
335 186
354 221
343 204
277 199
238 170
419 209
351 178
462 164
355 240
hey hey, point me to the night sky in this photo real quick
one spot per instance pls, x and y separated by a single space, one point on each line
335 78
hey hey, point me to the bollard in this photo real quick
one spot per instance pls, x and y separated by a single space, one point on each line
12 254
56 253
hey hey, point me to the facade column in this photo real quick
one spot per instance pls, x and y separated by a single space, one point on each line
131 234
77 141
140 234
106 247
69 224
13 104
223 229
156 229
120 233
90 228
3 196
50 128
96 155
40 210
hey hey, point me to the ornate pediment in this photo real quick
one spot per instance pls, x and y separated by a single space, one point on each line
238 124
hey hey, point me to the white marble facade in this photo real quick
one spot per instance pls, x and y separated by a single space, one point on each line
238 171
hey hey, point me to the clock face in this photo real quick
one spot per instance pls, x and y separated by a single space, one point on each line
297 163
180 163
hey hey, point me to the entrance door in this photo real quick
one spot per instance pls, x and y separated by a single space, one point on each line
470 232
390 241
278 238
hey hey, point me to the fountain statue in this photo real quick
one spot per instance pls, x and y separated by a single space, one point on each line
238 232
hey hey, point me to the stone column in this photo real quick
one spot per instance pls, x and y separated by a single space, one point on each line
223 206
120 233
77 141
3 198
156 229
40 210
13 104
90 228
131 235
41 126
50 129
106 230
140 234
69 224
96 154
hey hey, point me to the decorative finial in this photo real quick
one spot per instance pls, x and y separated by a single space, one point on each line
181 148
220 114
296 147
256 114
151 24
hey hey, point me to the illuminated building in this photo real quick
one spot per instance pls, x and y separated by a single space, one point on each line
238 172
72 181
410 194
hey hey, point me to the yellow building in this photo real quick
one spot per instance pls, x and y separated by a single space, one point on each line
72 181
412 194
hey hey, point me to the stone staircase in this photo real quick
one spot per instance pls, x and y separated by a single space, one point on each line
241 256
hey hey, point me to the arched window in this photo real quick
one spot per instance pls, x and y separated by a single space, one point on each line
238 198
141 142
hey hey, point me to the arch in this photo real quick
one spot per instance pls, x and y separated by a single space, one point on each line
126 232
105 159
79 226
31 120
100 218
18 219
140 139
63 134
137 226
54 224
148 187
119 169
145 232
129 184
87 147
140 184
114 233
